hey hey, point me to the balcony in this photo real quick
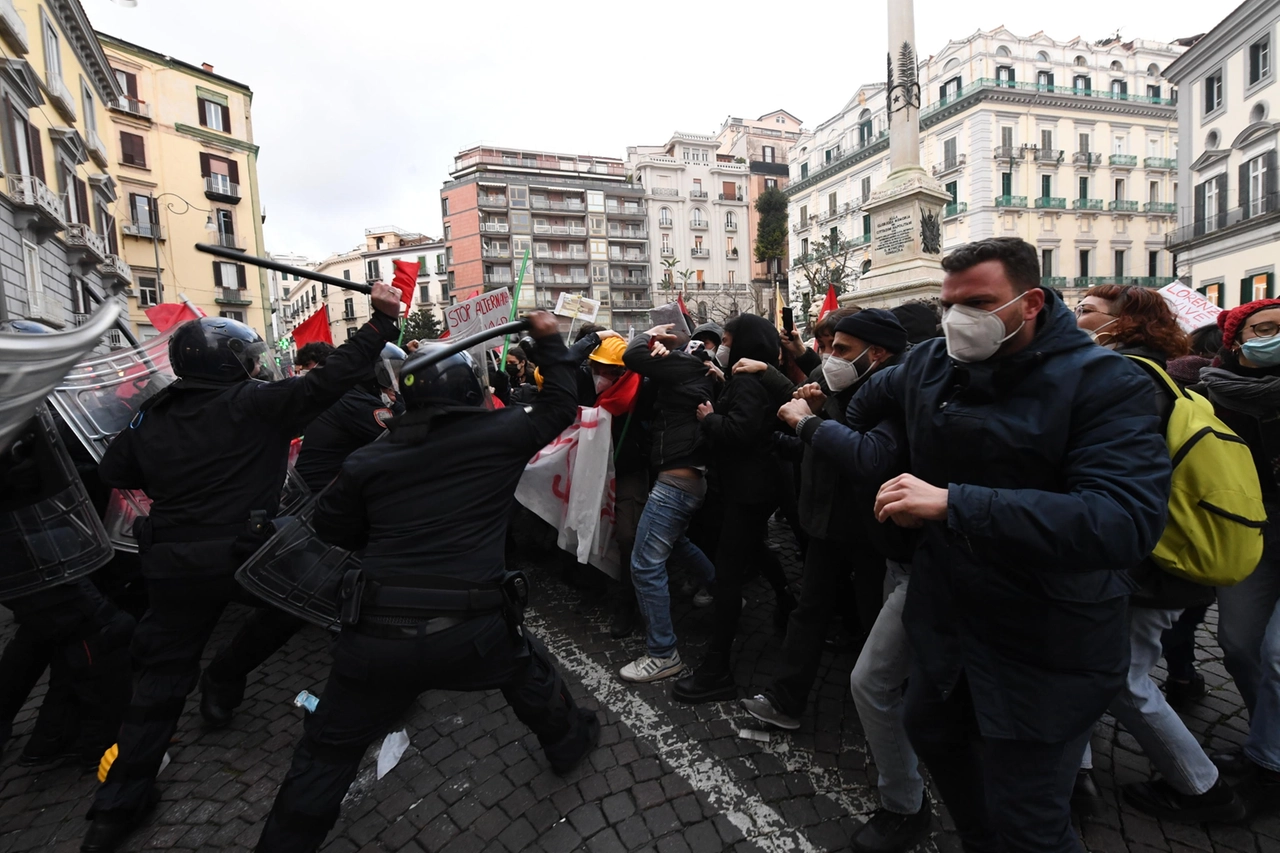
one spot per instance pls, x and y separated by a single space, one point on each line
1160 163
641 304
91 247
731 227
625 210
629 234
560 255
666 223
1095 280
348 315
1123 206
145 230
1086 158
93 144
1050 155
228 241
569 205
667 252
12 28
1053 281
698 224
557 278
489 253
800 228
561 230
491 201
42 207
950 164
232 296
731 255
956 208
698 195
1160 208
1009 153
493 228
699 253
732 197
630 281
133 107
629 257
1087 204
220 188
498 279
61 98
855 242
114 266
1122 161
1259 211
1011 201
664 192
1051 203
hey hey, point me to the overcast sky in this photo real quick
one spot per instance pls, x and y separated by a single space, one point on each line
360 107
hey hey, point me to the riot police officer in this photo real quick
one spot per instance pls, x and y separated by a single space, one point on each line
210 451
432 607
355 420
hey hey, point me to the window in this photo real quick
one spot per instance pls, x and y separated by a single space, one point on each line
1154 92
1006 183
1119 263
770 184
949 159
1006 137
866 133
1153 264
448 231
129 85
866 225
767 154
804 170
1153 191
349 308
1258 286
953 190
1258 185
1084 263
804 215
148 294
732 279
1120 145
697 220
833 236
1081 84
1004 75
231 276
145 217
1212 292
1046 262
214 115
1210 204
1213 92
52 53
1083 142
950 90
444 207
1046 186
86 103
1044 80
519 196
832 204
1046 140
1259 60
804 245
346 274
222 176
1119 196
520 222
1041 56
238 316
731 221
1084 188
226 228
866 188
1119 90
664 217
133 150
372 270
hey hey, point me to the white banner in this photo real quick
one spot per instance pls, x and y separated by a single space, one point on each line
577 307
1191 308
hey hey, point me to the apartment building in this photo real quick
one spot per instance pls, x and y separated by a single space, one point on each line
1070 145
386 244
1228 202
57 199
180 145
699 212
764 144
580 218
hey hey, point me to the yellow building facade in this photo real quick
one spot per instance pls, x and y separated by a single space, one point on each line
180 145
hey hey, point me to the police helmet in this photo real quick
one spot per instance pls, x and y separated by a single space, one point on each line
449 383
216 349
387 368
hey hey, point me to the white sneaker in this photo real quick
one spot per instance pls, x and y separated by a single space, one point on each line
645 669
702 598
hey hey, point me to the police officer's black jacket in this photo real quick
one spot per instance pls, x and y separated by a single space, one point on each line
432 498
209 456
349 424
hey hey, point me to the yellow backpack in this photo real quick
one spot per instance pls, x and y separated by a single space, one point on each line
1216 515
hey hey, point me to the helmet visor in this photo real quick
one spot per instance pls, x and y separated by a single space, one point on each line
260 362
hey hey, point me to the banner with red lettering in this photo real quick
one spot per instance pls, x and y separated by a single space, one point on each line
570 485
1191 309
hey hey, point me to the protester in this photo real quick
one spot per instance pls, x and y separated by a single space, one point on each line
1137 321
738 428
1039 478
311 356
1244 386
522 388
679 457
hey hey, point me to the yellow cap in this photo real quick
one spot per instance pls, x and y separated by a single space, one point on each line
609 352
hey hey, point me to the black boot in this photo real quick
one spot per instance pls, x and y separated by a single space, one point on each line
577 745
109 829
710 682
218 702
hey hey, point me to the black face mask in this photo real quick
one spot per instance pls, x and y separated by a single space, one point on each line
513 371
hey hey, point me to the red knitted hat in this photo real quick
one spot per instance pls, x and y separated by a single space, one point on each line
1231 321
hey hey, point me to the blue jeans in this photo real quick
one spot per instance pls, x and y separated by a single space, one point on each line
1249 633
660 536
1144 712
876 685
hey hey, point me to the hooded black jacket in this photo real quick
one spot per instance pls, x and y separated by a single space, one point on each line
681 384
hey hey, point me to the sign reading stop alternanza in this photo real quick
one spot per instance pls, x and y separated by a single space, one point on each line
479 313
1191 308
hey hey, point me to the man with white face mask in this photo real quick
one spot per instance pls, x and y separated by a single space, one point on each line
1038 477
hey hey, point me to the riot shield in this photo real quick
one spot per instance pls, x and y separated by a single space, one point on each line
33 364
54 539
297 572
101 395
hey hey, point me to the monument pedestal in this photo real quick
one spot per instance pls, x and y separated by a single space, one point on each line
906 241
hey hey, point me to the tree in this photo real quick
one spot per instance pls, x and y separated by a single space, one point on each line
828 264
806 305
771 232
422 324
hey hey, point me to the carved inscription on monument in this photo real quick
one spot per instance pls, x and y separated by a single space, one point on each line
893 233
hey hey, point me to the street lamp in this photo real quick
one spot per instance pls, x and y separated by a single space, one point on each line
209 225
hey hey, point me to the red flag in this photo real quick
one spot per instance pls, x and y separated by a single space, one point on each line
314 328
828 304
620 397
166 315
405 281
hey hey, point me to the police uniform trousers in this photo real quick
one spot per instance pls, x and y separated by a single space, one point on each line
373 683
83 640
167 648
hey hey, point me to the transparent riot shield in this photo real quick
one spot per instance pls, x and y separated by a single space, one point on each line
297 572
33 364
58 537
101 395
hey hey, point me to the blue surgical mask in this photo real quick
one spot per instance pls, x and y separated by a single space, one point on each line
1264 352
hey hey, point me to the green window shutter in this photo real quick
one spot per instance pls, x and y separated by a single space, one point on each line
1246 290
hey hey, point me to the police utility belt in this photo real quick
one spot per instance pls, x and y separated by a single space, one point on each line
419 606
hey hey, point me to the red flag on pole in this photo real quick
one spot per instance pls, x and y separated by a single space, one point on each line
829 304
405 281
314 328
166 315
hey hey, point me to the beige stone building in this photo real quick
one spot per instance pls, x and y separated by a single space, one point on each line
180 145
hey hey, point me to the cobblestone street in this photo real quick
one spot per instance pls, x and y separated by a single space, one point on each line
667 777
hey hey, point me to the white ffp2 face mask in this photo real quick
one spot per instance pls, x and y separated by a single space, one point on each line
602 383
975 335
840 374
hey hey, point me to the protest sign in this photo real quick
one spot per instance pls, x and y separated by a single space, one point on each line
577 307
1192 310
476 314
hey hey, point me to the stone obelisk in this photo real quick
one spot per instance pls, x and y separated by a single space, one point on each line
906 210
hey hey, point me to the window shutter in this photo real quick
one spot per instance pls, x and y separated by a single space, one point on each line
226 118
37 152
1246 290
1270 203
240 275
233 169
1200 213
1051 80
1271 285
82 199
1244 190
217 275
200 108
1222 197
131 85
205 171
113 241
10 147
1124 88
1088 83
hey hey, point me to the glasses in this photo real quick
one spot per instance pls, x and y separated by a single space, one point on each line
1263 330
1083 309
